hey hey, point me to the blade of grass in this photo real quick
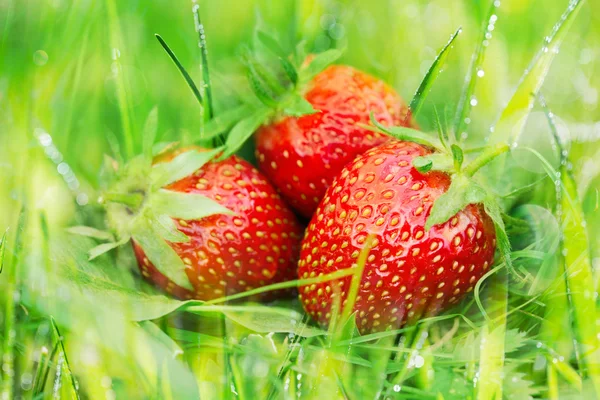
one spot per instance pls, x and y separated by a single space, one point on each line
188 79
122 96
464 105
514 116
355 282
63 356
423 90
2 249
46 371
206 85
76 87
491 361
42 365
553 392
285 285
577 264
12 294
413 343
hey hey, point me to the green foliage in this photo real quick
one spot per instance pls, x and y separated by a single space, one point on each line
436 67
96 81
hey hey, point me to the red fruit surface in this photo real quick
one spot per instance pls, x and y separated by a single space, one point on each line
228 254
409 273
302 156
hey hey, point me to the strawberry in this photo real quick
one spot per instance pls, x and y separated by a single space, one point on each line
254 246
201 227
418 263
302 155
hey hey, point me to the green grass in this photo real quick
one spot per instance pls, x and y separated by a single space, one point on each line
91 73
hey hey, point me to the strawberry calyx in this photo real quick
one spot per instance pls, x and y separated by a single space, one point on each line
465 188
278 90
139 208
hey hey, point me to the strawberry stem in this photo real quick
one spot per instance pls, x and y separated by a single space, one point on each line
488 155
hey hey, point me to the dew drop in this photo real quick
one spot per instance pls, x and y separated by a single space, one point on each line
40 57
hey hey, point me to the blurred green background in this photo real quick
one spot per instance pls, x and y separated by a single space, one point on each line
62 63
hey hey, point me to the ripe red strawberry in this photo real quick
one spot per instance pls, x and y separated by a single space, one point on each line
410 272
226 254
302 155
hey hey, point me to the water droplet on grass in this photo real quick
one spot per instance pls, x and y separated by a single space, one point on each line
40 57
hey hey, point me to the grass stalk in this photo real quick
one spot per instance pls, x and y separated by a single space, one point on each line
122 95
13 294
491 360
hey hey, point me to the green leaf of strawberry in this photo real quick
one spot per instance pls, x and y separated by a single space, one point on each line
276 49
243 130
493 210
185 205
90 232
165 227
226 120
298 106
161 254
462 192
105 248
319 63
181 166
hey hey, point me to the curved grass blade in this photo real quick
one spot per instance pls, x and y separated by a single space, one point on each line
206 85
491 360
184 73
464 105
577 263
514 116
63 356
430 77
2 250
82 276
285 285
